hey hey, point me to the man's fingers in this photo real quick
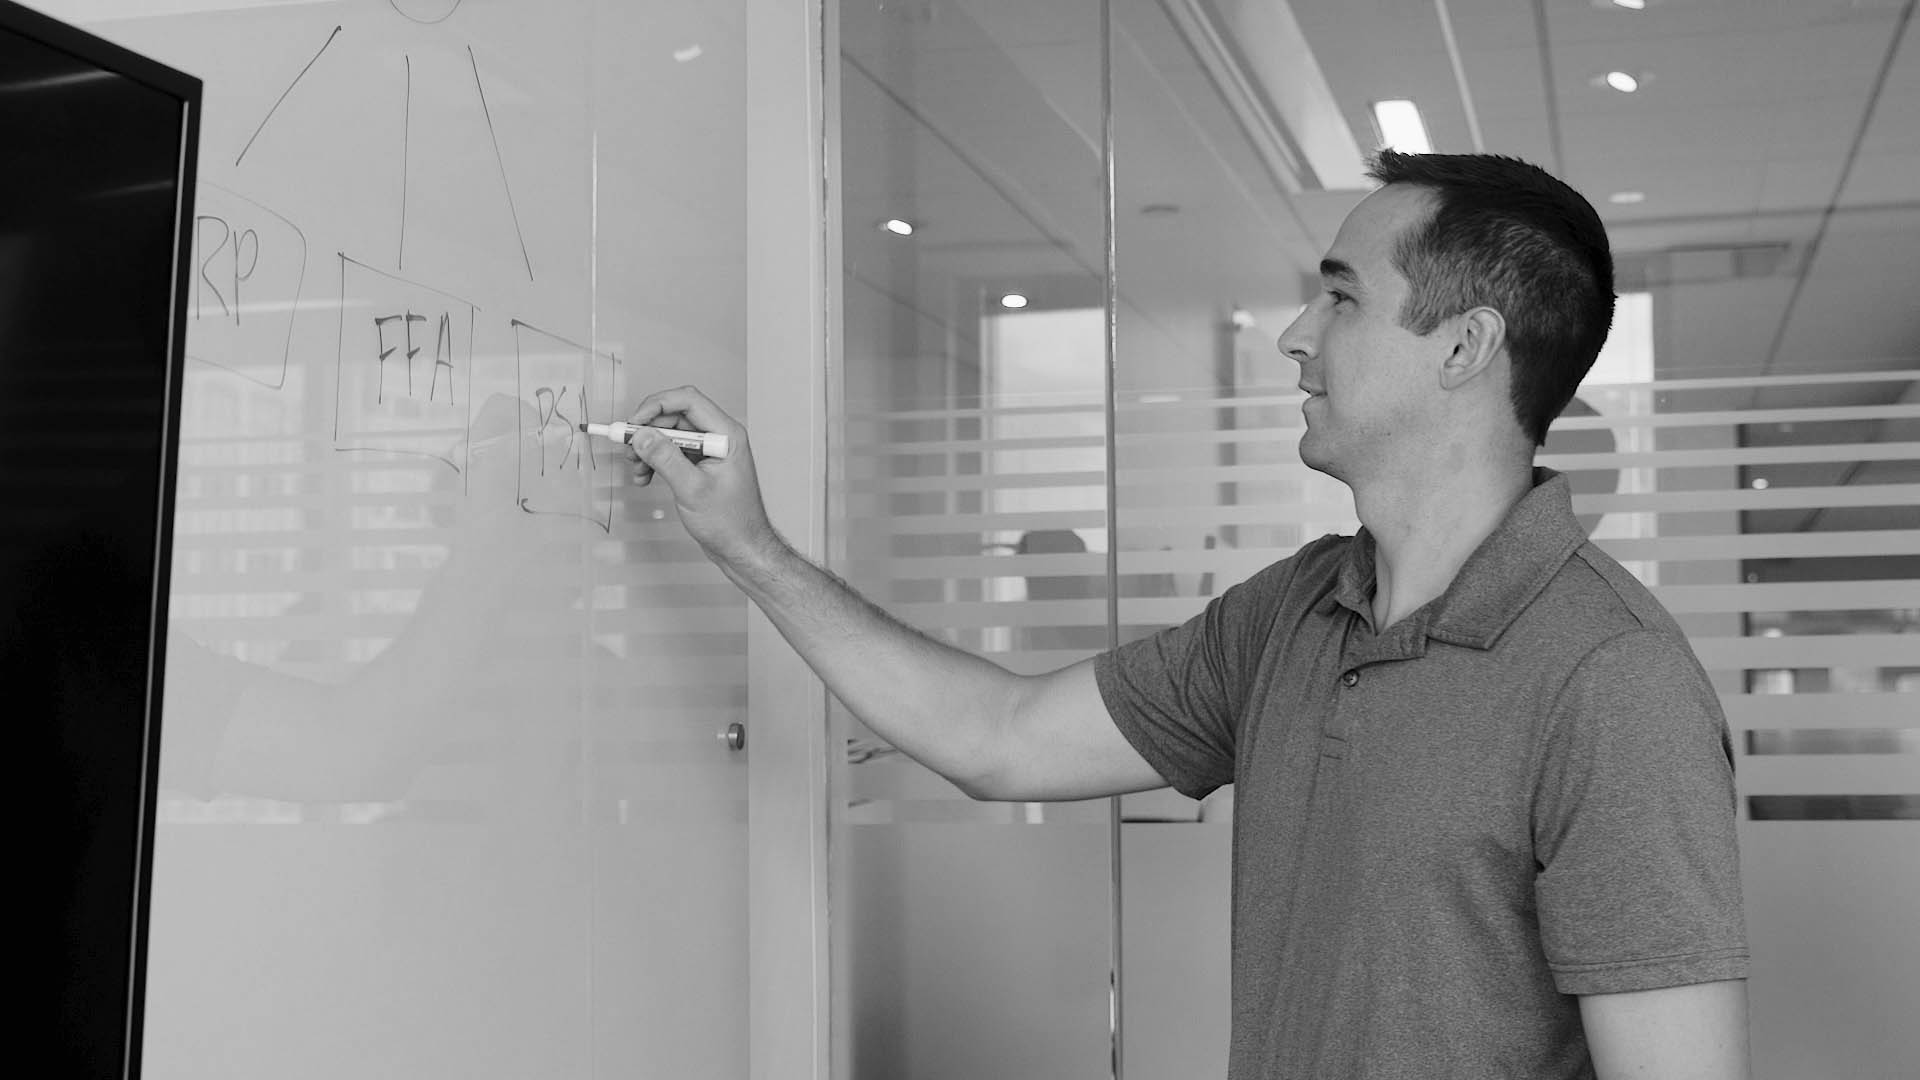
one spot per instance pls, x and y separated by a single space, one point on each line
660 456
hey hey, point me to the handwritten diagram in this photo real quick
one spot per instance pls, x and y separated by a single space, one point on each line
569 384
403 349
249 266
428 14
402 367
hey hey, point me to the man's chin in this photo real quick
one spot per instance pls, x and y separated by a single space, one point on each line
1314 455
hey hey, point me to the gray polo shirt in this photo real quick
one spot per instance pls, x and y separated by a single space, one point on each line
1446 828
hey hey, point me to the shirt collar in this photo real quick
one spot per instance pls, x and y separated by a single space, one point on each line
1497 582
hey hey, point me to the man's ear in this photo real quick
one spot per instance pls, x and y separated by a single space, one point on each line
1481 335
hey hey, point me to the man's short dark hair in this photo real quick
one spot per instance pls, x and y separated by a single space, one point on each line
1508 235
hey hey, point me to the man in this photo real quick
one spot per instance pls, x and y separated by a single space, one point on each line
1484 820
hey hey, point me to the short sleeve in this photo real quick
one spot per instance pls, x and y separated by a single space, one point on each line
1177 695
1634 824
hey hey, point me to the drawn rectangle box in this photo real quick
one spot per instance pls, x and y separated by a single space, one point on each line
249 266
404 367
562 469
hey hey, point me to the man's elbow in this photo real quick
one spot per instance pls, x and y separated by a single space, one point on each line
990 779
990 770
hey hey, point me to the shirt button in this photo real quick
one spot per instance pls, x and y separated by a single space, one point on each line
1351 678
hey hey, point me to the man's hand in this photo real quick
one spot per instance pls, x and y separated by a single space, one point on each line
718 498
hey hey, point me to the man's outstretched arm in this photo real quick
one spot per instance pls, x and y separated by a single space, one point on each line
994 734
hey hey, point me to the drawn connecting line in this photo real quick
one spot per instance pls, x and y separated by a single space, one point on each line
283 96
424 12
406 147
568 385
250 264
494 134
403 367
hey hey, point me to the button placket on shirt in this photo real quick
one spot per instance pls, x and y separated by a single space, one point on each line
1346 711
1333 729
1403 642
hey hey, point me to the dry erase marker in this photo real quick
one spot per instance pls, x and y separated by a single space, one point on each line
709 443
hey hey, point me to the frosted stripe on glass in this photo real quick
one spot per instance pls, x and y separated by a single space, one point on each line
1191 397
1196 488
1200 499
1743 651
1229 565
1841 774
1767 545
1820 710
1716 418
1286 453
1721 419
921 524
1834 650
1792 596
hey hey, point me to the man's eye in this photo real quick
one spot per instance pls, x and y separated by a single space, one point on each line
1339 297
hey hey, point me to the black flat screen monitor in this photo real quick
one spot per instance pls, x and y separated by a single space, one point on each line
97 150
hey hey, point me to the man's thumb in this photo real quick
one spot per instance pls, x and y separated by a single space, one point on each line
665 457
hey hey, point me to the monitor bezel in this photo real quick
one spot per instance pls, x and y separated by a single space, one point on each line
91 49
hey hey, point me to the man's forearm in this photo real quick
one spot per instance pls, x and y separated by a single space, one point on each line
940 705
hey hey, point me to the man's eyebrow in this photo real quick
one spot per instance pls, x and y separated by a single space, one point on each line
1337 270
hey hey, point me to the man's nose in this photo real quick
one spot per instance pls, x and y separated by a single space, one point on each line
1298 342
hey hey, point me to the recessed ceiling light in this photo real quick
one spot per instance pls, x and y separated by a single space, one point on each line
1400 127
1631 5
1759 483
1622 81
1627 198
897 227
691 52
1013 300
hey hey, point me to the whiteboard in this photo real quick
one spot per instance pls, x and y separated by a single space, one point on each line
440 788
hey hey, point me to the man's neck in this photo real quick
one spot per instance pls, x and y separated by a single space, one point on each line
1426 522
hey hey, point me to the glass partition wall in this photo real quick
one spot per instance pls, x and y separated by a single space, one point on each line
969 498
440 790
1748 444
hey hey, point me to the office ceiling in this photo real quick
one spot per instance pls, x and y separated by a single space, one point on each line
1775 144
